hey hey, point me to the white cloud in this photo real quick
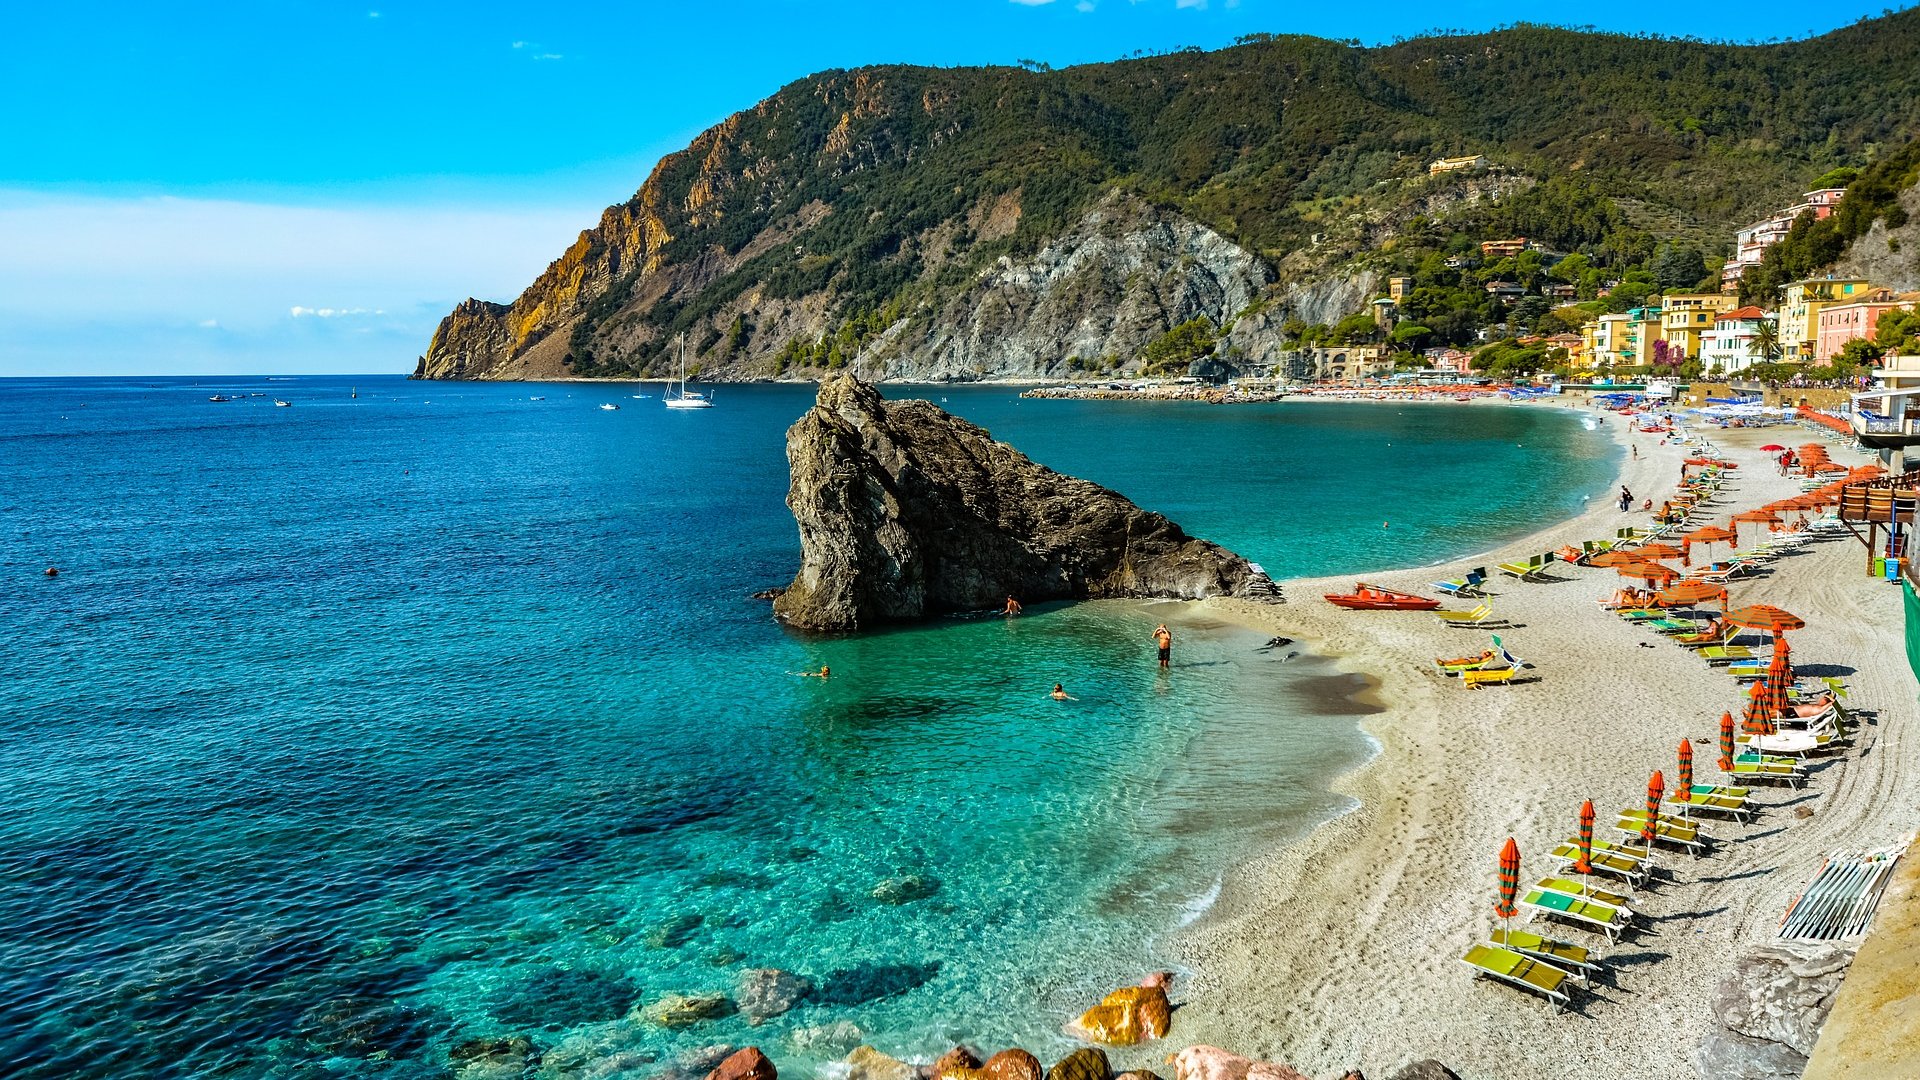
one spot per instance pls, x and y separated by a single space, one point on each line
209 324
1197 5
1083 6
549 56
519 44
373 14
300 312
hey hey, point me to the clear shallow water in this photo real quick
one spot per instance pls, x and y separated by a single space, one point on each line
357 729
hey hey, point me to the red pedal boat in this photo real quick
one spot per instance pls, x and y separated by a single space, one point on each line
1367 597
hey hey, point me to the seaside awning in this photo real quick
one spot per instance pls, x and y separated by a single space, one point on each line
1766 617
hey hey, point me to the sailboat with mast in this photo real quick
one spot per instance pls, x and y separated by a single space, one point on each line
682 398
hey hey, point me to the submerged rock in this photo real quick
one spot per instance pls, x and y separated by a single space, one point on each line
765 993
563 997
683 1010
837 1035
870 982
493 1059
675 932
866 1063
1213 1063
1129 1015
906 511
748 1064
905 889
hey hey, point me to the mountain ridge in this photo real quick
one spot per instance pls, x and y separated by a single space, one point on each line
846 219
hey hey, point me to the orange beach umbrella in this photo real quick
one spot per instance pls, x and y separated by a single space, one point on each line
1655 788
1657 551
1710 534
1615 558
1683 791
1584 864
1775 621
1726 743
1687 593
1509 880
1757 720
1648 571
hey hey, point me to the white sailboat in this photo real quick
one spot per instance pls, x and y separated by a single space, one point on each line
684 398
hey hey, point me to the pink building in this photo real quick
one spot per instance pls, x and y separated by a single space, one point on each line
1842 323
1752 242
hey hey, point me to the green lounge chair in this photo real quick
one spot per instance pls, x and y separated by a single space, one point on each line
1724 654
1524 571
1666 830
1515 969
1578 910
1587 892
1627 866
1707 799
1575 960
1767 767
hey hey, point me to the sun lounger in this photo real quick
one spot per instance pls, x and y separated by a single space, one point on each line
1587 892
1667 830
1708 799
1525 570
1630 868
1673 626
1755 766
1575 960
1466 663
1725 654
1519 970
1479 616
1577 910
1466 586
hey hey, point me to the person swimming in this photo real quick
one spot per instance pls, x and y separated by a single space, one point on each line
1012 608
824 672
1060 694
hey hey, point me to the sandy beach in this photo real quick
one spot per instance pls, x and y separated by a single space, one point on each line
1342 950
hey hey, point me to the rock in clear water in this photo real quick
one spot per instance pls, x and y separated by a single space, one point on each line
675 932
364 1027
748 1064
684 1010
906 511
493 1059
765 993
956 1062
562 996
866 1063
838 1035
906 888
870 982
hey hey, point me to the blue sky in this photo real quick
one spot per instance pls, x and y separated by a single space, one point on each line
287 186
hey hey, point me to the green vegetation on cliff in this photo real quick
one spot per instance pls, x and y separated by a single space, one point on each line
1810 246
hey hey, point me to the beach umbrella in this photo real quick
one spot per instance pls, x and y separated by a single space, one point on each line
1710 534
1655 788
1775 621
1757 720
1829 467
1509 881
1772 448
1683 790
1647 571
1726 743
1867 470
1779 680
1657 551
1615 558
1690 594
1584 863
1760 516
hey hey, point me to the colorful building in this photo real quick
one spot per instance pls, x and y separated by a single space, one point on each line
1800 308
1604 341
1472 163
1643 330
1503 249
1398 288
1838 324
1752 242
1729 346
1685 316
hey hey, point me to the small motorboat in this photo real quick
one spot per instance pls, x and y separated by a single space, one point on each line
1365 597
610 406
219 397
278 404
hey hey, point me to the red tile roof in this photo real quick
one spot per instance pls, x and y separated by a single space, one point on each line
1748 312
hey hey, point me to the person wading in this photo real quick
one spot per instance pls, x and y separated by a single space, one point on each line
1163 637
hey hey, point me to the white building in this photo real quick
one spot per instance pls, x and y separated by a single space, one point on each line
1728 347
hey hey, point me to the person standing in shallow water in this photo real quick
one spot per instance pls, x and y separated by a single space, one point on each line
1163 637
1012 608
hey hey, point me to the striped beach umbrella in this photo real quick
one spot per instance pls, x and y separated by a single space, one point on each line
1509 880
1649 572
1615 558
1780 676
1690 594
1657 551
1758 718
1726 743
1656 787
1773 620
1584 863
1683 791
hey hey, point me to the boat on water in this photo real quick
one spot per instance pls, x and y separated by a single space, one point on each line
219 397
609 406
684 398
1365 597
279 404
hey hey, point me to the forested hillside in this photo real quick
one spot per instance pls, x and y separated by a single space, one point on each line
981 221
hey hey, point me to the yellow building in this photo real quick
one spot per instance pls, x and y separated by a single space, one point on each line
1604 341
1685 316
1800 308
1643 328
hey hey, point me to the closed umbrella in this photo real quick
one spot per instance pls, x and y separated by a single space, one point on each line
1758 718
1655 788
1726 743
1683 791
1509 881
1778 680
1584 863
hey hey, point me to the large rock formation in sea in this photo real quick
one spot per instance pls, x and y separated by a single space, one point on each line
906 511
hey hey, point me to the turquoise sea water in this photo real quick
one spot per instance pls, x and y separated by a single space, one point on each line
357 729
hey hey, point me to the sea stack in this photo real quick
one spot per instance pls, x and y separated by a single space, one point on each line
906 511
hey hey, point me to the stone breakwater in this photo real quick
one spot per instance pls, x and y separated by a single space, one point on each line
906 511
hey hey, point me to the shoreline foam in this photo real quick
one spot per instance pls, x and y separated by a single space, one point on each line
1337 950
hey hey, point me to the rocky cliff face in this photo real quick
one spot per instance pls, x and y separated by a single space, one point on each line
906 511
1889 257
